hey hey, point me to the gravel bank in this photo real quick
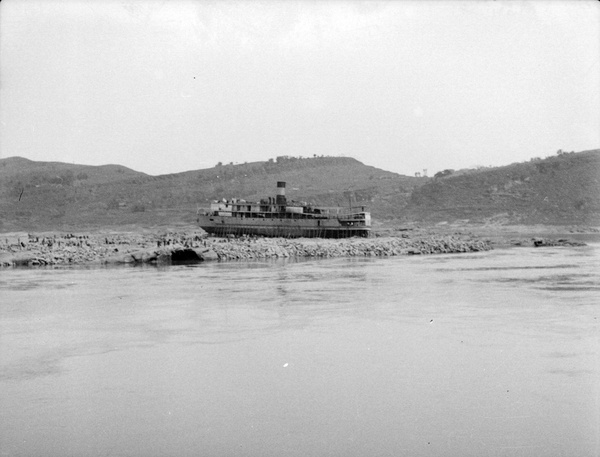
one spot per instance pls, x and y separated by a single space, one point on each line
22 249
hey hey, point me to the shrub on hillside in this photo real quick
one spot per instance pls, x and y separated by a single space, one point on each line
113 204
442 174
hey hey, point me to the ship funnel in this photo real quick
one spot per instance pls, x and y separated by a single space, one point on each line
280 193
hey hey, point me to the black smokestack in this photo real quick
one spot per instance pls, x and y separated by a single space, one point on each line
280 199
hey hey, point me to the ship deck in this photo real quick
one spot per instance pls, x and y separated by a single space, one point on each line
292 227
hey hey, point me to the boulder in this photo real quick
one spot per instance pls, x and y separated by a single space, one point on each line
145 256
6 259
23 258
117 259
163 258
206 254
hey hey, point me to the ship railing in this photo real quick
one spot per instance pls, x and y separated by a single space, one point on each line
316 213
341 210
352 217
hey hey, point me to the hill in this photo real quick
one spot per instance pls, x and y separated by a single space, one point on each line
39 196
559 190
57 196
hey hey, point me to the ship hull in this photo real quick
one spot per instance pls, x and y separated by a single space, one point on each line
275 227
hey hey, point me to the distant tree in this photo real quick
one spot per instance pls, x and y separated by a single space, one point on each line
219 164
442 174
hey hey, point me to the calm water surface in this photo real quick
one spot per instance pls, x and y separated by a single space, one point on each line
487 354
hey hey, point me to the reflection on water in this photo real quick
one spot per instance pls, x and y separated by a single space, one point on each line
491 353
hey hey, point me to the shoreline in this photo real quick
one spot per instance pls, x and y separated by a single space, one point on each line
172 247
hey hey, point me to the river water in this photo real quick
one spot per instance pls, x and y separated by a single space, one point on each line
485 354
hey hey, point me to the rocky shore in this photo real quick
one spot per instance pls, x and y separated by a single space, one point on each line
133 248
23 249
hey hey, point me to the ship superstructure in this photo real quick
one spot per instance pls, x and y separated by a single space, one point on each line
278 216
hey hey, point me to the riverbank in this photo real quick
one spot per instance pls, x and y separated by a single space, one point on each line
22 249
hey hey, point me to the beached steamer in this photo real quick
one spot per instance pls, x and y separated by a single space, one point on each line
279 217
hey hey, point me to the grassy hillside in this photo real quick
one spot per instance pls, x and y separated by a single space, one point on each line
43 195
37 196
563 189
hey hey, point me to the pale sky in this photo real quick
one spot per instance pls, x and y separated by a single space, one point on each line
170 86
